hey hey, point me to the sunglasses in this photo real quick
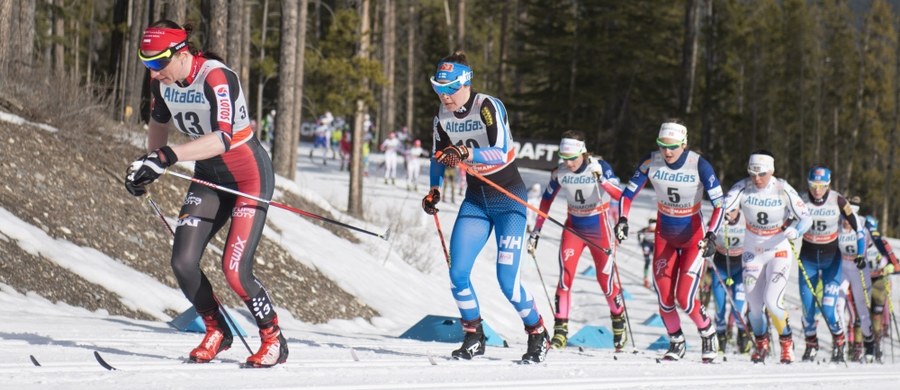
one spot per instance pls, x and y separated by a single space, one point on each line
451 87
758 174
664 145
569 158
818 186
160 61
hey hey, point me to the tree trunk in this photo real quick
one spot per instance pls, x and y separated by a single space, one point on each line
26 31
354 201
218 24
135 71
504 49
298 82
689 56
450 45
176 11
284 120
410 67
388 103
261 81
6 45
245 46
234 36
461 24
59 55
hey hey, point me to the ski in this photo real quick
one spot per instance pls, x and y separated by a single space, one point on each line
102 362
34 361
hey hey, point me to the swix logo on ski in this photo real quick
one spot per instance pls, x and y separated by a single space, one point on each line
224 103
237 249
678 177
755 201
578 180
174 96
822 212
462 127
510 242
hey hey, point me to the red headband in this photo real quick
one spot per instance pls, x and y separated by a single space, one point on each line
161 38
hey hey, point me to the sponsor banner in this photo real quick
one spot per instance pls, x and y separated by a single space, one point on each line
537 154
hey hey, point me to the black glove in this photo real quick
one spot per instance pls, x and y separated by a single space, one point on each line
430 201
452 155
860 262
146 169
533 241
708 244
621 229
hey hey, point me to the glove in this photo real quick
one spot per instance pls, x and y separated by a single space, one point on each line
430 201
708 244
791 233
452 155
533 241
146 169
860 262
621 229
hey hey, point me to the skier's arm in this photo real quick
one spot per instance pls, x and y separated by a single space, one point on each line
714 191
637 182
547 199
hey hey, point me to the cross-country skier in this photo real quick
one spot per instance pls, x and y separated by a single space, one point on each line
679 177
474 128
883 263
647 237
205 100
820 257
856 272
589 185
391 147
773 214
728 262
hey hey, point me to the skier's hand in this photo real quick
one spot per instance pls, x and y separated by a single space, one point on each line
621 229
453 155
791 233
708 244
147 168
430 201
533 241
860 262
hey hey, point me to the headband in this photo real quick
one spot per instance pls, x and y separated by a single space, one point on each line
451 71
162 38
570 147
674 131
760 163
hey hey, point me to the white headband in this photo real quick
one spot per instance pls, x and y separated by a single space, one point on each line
570 147
760 163
674 131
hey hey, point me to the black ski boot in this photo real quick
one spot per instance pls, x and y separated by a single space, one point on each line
676 347
538 343
560 334
474 341
723 341
744 342
710 344
869 347
618 328
837 349
812 349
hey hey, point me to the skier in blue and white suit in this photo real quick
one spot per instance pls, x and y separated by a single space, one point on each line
473 128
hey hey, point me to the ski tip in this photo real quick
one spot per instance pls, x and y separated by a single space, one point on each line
386 235
615 358
430 358
580 349
658 361
34 361
353 354
102 362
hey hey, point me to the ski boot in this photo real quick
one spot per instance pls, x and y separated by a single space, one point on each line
869 347
877 348
272 351
761 350
474 341
837 349
538 343
812 349
744 345
723 341
710 344
560 334
787 348
855 351
618 328
218 338
676 347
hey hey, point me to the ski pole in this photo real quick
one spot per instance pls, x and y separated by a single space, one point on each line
538 211
738 316
544 285
159 213
277 204
437 224
806 278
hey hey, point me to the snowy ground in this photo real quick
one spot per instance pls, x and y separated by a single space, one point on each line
359 354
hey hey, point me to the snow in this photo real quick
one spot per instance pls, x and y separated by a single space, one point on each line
386 275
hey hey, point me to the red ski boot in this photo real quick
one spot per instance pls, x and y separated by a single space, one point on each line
274 349
218 338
